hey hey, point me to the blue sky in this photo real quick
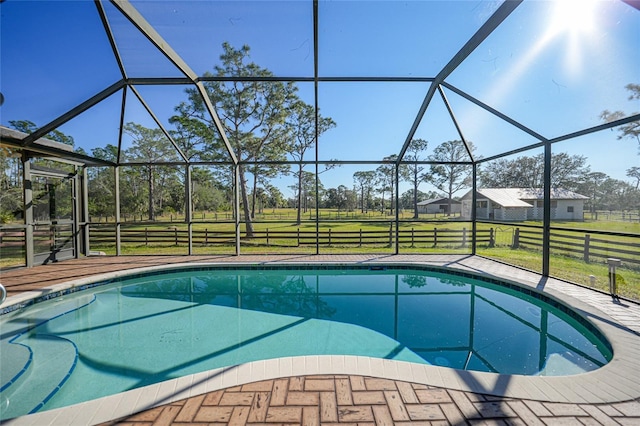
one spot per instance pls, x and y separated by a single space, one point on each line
552 73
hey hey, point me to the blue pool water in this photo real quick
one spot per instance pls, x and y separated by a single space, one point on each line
146 329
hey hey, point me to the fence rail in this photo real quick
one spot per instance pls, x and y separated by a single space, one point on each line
295 238
580 245
583 246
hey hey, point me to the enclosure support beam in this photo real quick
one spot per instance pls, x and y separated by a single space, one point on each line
397 178
28 210
116 180
188 205
77 212
236 205
85 210
474 187
316 118
546 221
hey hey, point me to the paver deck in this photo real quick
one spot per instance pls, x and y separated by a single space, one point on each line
356 390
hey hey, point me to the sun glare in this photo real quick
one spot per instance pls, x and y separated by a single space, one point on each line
573 16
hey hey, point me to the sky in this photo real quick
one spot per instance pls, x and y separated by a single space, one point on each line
553 69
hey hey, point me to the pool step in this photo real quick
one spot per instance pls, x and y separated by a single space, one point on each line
15 360
34 363
54 359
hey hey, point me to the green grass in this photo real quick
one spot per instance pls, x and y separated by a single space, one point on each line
571 268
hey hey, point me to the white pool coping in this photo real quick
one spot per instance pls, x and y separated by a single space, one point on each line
613 382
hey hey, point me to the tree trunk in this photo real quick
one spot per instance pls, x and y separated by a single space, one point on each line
415 194
391 193
449 198
245 203
299 215
152 213
253 197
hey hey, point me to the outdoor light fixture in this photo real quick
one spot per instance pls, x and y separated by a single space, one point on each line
613 290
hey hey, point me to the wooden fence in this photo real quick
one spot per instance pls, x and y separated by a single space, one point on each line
591 248
437 237
585 246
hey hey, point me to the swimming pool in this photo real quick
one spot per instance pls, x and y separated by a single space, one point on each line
148 328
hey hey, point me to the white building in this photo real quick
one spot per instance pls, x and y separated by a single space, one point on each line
439 205
523 204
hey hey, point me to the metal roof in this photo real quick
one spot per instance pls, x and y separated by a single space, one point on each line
437 200
514 197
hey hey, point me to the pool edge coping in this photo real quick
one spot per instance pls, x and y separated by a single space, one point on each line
608 384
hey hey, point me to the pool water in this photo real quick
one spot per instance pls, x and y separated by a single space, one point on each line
148 329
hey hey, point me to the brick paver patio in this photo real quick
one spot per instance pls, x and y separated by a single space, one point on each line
358 400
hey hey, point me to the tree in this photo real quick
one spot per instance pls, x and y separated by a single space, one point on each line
523 172
150 146
207 194
341 198
451 176
412 171
618 195
10 184
591 186
273 197
27 126
408 198
252 114
365 182
634 173
101 183
192 135
306 187
386 179
567 171
301 125
629 130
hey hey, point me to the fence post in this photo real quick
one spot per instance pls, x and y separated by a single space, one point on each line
175 230
435 237
412 238
206 236
298 237
329 237
516 239
492 241
390 235
464 237
360 245
587 242
267 236
146 236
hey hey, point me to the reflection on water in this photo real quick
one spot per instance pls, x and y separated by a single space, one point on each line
452 321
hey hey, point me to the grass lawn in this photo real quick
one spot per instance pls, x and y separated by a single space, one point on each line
564 263
571 269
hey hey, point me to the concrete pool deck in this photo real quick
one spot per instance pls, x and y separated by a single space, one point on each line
350 390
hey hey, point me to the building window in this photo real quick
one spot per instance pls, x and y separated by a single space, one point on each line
481 204
569 209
